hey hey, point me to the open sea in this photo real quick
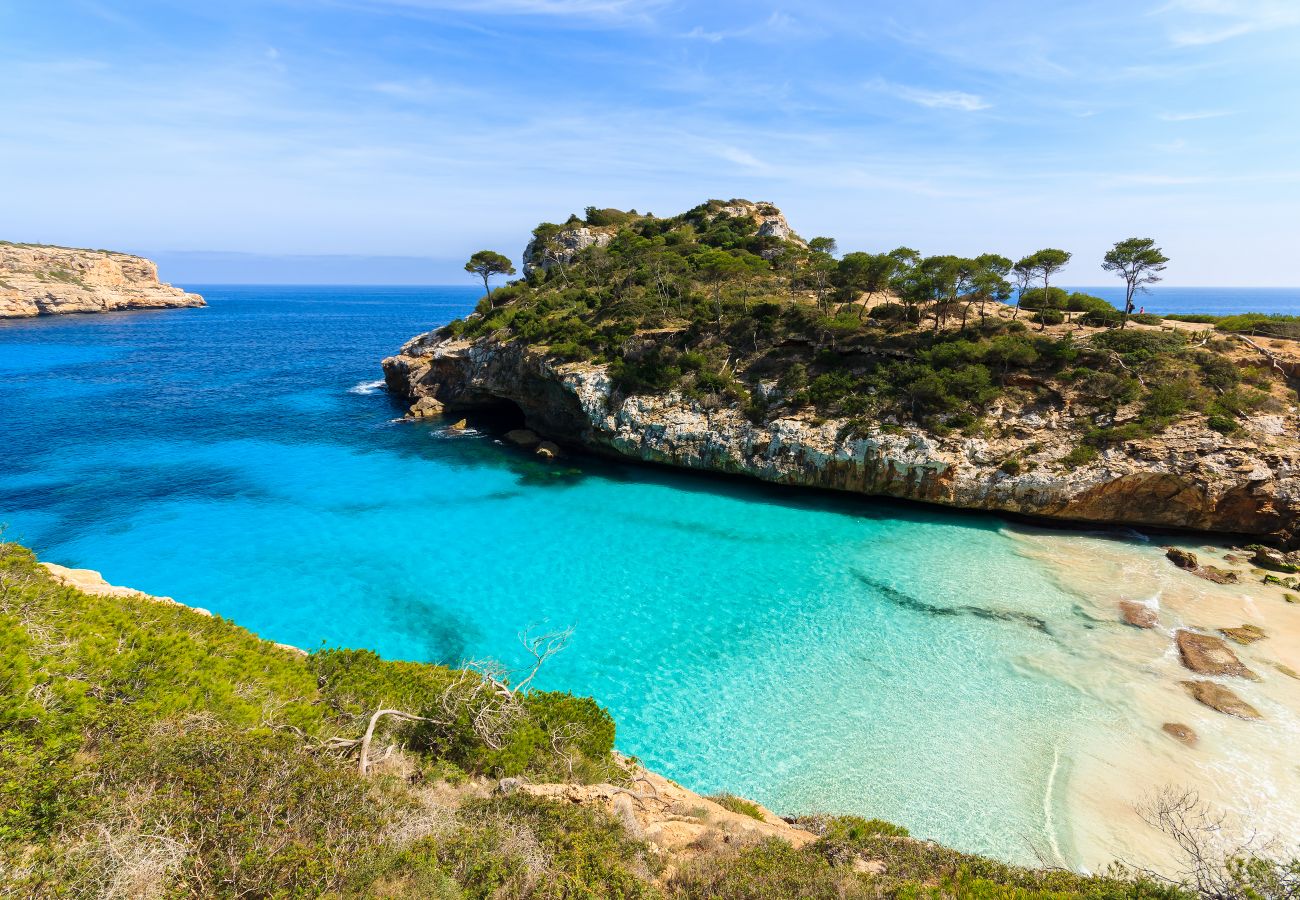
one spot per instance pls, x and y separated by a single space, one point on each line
813 652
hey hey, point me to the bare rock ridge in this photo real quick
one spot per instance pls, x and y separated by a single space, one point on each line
38 280
1186 477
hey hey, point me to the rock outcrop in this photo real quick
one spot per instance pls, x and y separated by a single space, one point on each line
1220 698
1187 477
37 280
1206 654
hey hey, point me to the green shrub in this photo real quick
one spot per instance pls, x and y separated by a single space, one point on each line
1049 317
1080 455
739 805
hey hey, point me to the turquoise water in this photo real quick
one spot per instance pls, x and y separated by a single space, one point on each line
813 652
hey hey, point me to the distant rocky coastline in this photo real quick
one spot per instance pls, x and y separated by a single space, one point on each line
40 280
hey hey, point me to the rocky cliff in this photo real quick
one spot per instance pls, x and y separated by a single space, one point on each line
38 280
1188 477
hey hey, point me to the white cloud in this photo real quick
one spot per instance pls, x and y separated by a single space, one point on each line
777 26
959 100
578 9
1222 20
1194 116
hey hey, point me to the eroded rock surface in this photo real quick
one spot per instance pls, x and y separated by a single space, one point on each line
1139 615
1220 698
36 280
1206 654
1187 477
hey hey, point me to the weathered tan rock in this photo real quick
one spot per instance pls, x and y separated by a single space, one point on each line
1183 559
523 437
1245 635
1286 670
1139 615
425 408
38 280
548 450
1187 477
460 425
1180 732
1220 698
1206 654
677 822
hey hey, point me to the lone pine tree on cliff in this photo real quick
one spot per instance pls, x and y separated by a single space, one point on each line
1139 262
487 263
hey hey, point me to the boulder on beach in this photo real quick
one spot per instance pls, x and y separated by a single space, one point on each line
1139 615
1220 698
523 437
1206 654
1180 732
1245 635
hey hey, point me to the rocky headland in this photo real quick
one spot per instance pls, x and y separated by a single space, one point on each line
40 280
754 360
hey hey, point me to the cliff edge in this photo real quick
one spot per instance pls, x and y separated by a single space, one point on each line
39 280
712 341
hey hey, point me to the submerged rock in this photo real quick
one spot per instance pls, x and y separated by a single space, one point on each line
1245 635
1183 559
1180 732
1220 698
1206 654
1139 615
523 437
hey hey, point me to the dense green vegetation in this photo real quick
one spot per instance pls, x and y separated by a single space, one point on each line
1262 324
712 305
147 750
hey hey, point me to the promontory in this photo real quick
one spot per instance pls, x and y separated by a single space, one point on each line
41 280
720 340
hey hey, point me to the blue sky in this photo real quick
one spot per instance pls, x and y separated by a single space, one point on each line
423 130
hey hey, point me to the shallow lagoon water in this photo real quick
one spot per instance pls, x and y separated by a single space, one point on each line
811 651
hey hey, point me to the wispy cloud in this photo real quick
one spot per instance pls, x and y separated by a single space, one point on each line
1194 116
777 26
1223 20
958 100
579 9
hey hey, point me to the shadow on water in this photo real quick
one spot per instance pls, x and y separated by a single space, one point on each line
915 604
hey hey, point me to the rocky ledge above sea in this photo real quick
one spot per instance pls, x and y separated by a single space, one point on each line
40 280
1187 477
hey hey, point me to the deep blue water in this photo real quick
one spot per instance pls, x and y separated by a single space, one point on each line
811 651
1215 301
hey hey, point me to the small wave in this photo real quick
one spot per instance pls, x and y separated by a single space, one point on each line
367 387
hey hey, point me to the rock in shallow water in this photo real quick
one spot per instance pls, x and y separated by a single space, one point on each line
1139 615
1245 635
1180 732
523 437
1206 654
1220 698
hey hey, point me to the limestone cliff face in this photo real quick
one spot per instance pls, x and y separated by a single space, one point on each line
1187 477
39 280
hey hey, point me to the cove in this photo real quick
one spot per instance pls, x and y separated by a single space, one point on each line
813 652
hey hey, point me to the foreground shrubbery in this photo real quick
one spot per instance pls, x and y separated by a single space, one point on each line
148 751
